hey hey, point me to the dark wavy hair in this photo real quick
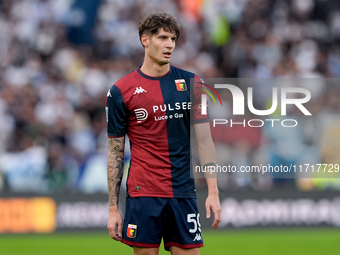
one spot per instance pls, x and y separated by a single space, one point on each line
154 21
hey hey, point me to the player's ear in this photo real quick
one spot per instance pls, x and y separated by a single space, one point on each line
145 40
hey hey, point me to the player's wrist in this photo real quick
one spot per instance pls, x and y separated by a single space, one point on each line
113 208
212 186
213 191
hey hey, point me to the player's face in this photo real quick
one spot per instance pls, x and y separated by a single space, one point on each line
160 47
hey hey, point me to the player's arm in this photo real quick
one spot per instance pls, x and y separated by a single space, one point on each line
207 157
115 167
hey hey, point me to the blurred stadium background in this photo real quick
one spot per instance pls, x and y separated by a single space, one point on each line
58 58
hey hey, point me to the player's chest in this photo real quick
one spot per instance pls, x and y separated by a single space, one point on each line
170 95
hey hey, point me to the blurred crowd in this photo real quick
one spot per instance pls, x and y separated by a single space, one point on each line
53 87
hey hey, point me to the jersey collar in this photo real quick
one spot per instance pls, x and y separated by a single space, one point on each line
152 77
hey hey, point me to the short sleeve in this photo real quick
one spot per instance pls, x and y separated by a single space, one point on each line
117 115
198 91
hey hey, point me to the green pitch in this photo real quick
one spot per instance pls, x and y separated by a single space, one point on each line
261 242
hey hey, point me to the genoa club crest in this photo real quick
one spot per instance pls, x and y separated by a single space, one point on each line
181 85
131 231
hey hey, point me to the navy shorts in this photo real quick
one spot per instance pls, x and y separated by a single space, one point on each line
149 219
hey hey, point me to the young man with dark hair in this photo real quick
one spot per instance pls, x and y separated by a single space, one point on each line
152 106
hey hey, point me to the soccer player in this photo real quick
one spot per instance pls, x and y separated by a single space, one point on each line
152 106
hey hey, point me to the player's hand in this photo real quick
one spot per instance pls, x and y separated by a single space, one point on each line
115 222
213 204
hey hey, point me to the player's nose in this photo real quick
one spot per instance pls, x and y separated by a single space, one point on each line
170 44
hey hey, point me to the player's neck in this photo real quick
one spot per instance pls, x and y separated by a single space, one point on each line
154 69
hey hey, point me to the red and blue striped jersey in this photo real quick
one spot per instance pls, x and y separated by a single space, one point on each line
155 114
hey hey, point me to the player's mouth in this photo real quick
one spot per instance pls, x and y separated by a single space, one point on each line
167 54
